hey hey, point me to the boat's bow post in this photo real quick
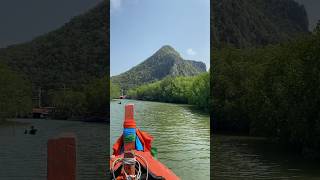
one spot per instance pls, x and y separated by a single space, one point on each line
129 132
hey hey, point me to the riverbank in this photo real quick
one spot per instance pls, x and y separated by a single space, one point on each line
194 90
94 119
191 106
11 122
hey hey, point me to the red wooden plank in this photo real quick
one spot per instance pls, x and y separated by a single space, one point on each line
61 162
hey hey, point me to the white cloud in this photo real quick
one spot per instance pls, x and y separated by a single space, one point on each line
119 5
191 52
115 4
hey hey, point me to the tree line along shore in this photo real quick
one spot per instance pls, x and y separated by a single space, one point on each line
270 91
192 90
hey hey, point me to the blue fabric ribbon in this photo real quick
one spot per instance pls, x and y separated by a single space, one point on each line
132 131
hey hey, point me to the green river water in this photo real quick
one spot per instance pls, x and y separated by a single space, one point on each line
243 158
181 135
24 156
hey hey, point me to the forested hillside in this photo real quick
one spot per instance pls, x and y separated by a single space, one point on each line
72 55
70 59
245 23
163 63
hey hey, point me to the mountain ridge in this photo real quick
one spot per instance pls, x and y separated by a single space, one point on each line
69 57
164 62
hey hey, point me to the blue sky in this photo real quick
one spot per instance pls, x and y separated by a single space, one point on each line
138 28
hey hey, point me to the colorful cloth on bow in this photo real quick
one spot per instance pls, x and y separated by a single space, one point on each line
142 139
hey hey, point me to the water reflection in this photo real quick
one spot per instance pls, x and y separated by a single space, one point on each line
239 157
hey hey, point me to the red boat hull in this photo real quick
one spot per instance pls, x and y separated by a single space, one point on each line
156 169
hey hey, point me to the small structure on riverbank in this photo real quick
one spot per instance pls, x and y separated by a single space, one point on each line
43 112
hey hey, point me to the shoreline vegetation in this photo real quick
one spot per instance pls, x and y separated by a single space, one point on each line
90 101
192 90
15 94
270 92
83 103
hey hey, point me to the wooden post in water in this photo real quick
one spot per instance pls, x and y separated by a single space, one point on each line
61 161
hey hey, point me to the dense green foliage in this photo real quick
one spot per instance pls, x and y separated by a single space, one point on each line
193 90
114 91
97 96
165 62
245 23
271 91
92 101
69 104
72 58
200 91
15 94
